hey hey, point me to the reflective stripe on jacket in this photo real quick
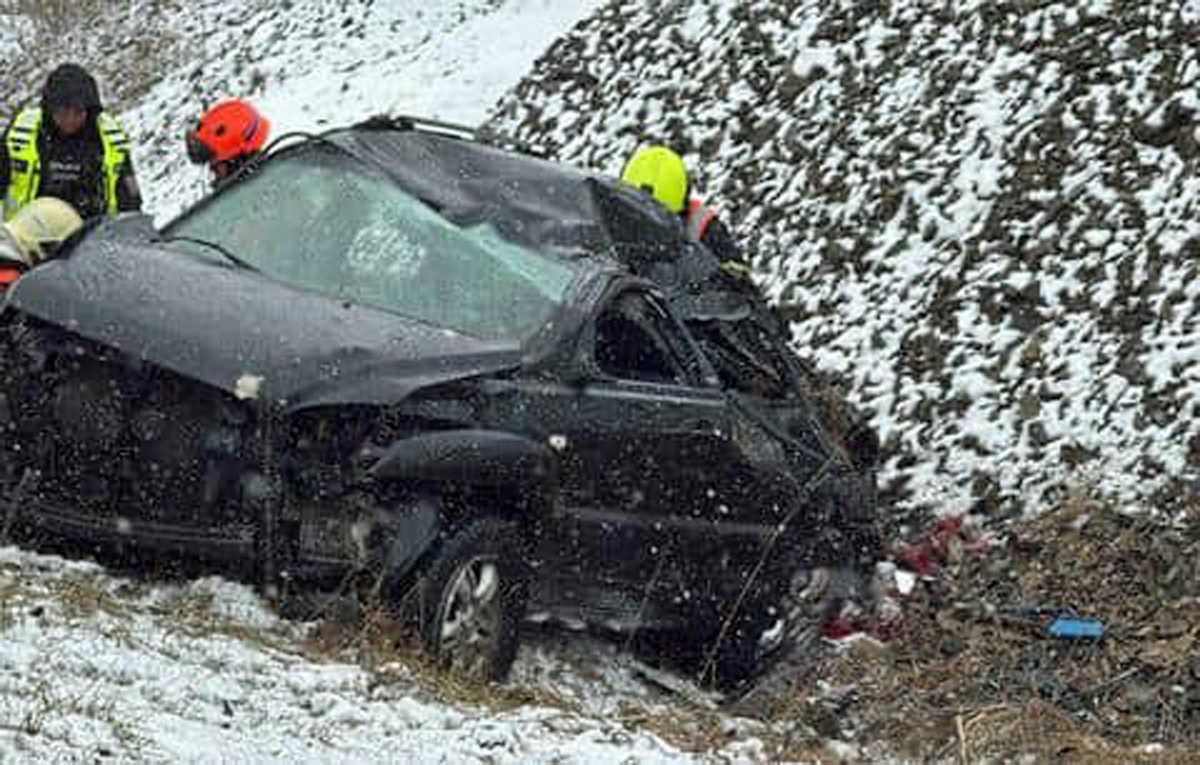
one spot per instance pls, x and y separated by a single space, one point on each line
26 166
24 163
116 154
697 220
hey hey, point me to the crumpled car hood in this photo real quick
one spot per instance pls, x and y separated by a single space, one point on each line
244 333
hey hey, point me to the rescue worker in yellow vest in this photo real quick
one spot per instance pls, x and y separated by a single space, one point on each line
69 147
660 172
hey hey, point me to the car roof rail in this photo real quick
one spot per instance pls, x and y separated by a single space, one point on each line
493 137
481 134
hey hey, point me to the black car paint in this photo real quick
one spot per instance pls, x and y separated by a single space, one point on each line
671 492
218 323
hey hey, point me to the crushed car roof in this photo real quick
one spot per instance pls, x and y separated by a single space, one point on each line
222 326
546 205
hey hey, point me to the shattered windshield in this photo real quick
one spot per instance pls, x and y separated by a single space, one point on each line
320 220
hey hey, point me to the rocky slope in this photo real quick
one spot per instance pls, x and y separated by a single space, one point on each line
983 218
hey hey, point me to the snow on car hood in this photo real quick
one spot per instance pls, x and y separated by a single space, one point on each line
245 333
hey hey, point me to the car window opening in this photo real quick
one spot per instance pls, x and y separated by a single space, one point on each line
629 346
744 361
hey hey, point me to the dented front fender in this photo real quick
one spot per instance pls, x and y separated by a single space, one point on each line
396 539
471 457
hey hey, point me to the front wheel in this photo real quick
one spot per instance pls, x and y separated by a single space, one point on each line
771 636
473 600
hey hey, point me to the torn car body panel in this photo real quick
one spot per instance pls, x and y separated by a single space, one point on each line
377 341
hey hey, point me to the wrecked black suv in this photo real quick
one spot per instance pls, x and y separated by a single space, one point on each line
494 386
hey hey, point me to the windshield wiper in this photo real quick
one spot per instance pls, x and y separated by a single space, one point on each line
214 246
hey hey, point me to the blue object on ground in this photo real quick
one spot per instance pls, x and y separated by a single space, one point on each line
1055 622
1076 628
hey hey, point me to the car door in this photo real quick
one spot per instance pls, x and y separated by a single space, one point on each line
784 446
643 440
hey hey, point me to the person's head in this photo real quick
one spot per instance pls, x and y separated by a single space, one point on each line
661 173
226 136
40 227
70 97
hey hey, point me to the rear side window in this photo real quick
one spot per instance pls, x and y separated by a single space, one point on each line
636 339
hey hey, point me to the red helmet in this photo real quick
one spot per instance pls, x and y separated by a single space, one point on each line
229 130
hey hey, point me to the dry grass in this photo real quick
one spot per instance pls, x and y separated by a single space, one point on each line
43 701
936 711
1044 732
83 596
959 685
389 648
195 614
10 589
385 642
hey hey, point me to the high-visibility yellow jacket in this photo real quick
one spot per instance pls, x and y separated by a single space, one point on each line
25 162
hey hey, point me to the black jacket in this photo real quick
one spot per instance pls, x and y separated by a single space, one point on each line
719 241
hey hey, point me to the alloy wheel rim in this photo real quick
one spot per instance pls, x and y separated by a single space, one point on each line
471 616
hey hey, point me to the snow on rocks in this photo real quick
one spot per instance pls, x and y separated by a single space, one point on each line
984 219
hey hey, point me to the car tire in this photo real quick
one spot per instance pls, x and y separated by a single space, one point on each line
473 601
773 641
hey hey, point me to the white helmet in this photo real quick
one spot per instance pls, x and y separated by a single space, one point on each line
40 226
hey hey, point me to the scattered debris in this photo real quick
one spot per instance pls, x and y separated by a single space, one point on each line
1112 665
1054 622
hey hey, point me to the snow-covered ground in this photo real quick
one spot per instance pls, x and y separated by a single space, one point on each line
95 666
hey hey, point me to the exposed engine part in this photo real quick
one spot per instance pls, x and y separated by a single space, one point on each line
108 430
89 411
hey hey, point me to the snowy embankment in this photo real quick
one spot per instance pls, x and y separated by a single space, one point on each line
984 218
